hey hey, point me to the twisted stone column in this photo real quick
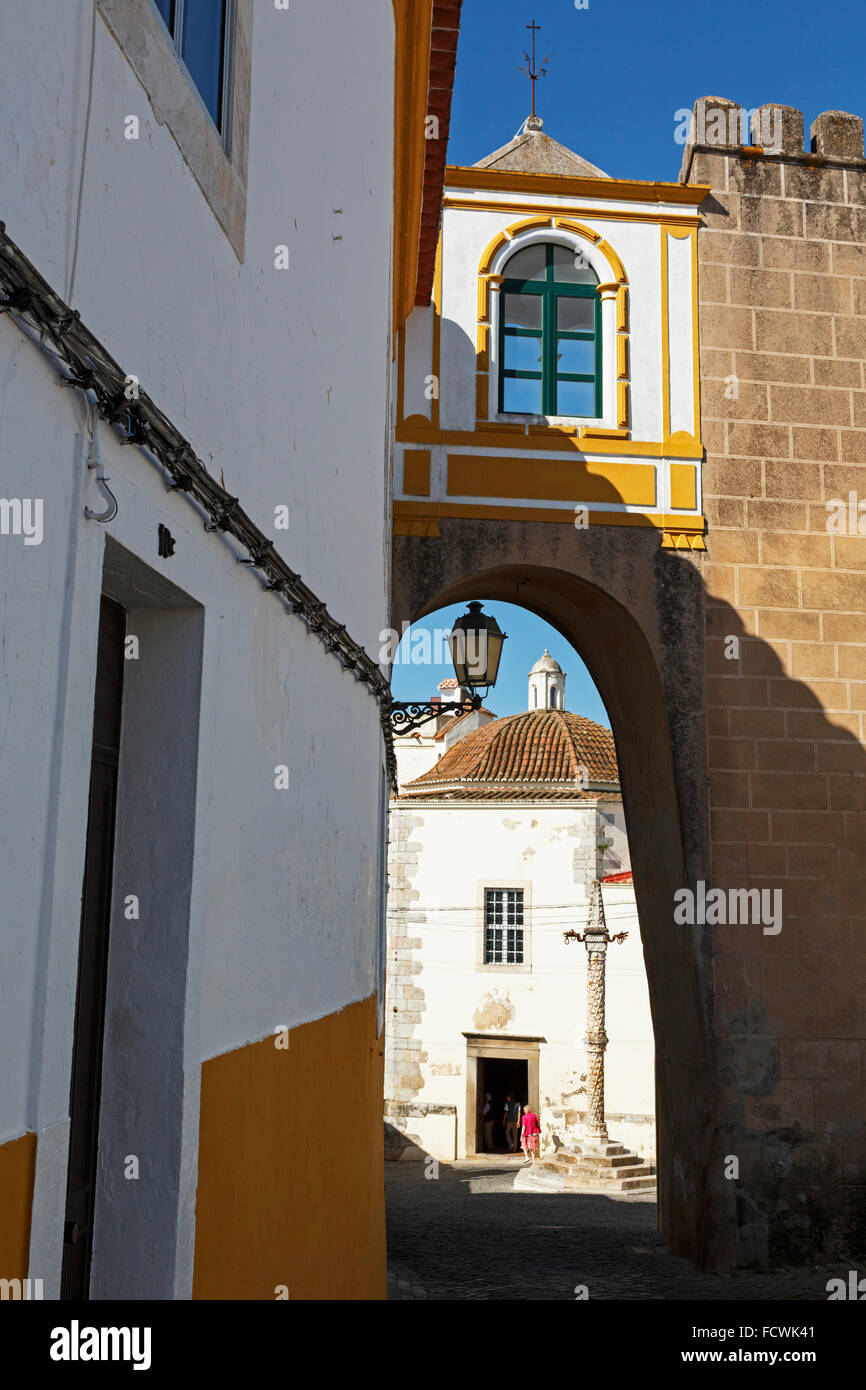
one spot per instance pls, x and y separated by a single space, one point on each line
596 1037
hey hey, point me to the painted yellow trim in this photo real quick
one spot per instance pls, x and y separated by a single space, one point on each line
430 513
490 251
502 435
622 309
555 480
482 389
279 1202
684 486
622 404
437 331
600 214
637 190
416 472
683 445
665 315
567 224
483 347
17 1174
682 540
514 230
613 261
412 40
679 233
622 357
609 287
529 224
598 432
417 422
483 300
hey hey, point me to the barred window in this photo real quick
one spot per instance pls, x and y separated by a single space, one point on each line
503 926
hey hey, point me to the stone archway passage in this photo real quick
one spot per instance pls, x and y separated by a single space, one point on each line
632 642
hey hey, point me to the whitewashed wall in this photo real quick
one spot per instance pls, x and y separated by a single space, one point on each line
280 381
457 850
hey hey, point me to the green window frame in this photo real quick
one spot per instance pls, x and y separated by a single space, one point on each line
550 335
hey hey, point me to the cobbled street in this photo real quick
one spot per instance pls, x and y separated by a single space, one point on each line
468 1235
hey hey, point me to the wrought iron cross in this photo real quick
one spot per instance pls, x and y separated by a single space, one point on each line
530 62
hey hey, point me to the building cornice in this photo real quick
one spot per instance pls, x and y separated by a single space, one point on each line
574 186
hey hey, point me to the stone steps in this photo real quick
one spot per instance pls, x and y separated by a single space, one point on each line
611 1169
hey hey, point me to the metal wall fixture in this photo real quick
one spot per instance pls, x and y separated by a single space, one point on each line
476 650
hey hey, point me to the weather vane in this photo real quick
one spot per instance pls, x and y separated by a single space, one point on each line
530 63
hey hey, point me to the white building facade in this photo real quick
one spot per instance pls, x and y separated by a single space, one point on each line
494 849
228 238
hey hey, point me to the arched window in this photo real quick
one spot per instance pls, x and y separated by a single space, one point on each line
535 697
550 334
553 695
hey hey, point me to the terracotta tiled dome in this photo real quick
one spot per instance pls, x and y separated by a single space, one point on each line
537 753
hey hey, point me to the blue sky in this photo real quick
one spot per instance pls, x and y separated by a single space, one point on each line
527 638
619 70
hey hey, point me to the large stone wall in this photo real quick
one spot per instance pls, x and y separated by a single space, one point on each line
783 336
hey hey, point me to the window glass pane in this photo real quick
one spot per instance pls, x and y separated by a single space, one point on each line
575 398
575 314
522 395
576 355
527 265
201 48
166 9
522 310
572 267
524 354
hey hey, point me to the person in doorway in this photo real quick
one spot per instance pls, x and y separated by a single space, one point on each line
487 1120
512 1121
530 1129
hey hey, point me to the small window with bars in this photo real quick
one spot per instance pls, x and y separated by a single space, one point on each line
503 926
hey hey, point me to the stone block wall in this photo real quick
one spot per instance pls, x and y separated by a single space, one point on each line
782 340
404 998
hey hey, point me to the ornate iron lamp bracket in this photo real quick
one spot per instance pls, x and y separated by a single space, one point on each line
409 715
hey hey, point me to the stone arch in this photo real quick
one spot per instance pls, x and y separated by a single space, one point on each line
633 661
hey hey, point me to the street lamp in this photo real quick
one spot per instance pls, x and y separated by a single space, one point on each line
476 650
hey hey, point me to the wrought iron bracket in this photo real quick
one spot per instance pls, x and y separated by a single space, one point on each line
408 715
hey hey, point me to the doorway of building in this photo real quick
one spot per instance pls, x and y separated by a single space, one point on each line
499 1076
86 1084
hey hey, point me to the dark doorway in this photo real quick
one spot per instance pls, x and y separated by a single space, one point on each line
499 1075
93 956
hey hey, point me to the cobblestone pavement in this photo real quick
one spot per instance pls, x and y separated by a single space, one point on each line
468 1235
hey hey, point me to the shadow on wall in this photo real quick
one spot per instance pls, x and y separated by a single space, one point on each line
734 778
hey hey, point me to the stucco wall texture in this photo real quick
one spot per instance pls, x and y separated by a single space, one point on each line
286 1132
266 908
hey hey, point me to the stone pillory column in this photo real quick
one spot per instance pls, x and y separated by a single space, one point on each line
596 940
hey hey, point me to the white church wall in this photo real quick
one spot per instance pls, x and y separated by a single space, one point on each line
452 852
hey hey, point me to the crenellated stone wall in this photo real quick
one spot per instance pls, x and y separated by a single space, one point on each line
783 337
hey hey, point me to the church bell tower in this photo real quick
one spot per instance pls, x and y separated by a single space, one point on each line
546 684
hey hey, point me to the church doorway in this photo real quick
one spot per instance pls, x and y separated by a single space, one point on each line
499 1077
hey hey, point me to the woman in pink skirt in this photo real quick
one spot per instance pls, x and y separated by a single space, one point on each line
529 1132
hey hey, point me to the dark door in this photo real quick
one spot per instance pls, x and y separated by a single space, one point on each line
498 1076
93 956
